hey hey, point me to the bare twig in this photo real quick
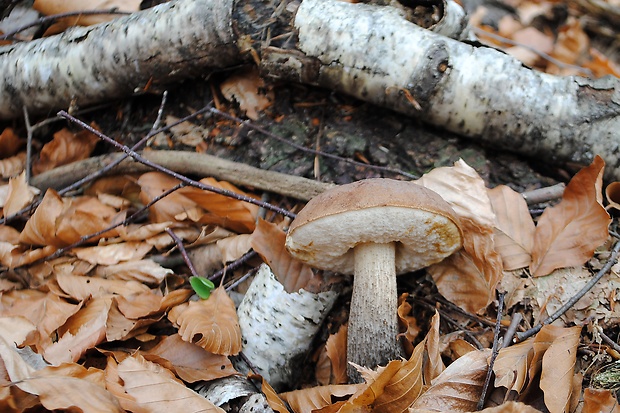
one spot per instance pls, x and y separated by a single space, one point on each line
546 194
28 167
183 252
234 265
512 329
136 156
496 347
610 262
609 341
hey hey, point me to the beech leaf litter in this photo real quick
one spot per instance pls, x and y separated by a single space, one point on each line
98 313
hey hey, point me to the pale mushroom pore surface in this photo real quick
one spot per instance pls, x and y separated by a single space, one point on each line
421 237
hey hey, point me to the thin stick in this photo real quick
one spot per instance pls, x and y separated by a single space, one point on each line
183 252
496 347
610 263
234 265
28 167
512 329
139 158
609 341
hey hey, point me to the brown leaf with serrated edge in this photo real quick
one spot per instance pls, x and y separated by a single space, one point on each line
310 399
65 148
336 349
511 367
468 277
514 231
558 369
568 233
599 400
212 324
268 241
154 386
458 388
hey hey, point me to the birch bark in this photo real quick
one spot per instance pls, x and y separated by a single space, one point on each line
368 51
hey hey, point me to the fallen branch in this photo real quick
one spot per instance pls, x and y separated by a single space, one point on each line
368 51
188 163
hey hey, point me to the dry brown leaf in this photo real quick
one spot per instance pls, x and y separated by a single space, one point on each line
407 323
46 311
114 253
144 271
41 227
511 407
515 228
248 89
268 240
114 384
228 249
65 148
154 386
599 400
458 388
568 233
225 211
12 166
9 143
84 287
82 331
336 350
558 368
71 386
19 194
612 193
154 184
313 398
212 324
189 361
468 277
512 365
274 401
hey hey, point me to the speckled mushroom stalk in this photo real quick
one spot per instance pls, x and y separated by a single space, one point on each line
374 229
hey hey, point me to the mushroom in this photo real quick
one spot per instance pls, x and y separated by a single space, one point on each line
374 229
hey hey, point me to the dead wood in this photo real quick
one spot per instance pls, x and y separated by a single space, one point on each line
368 51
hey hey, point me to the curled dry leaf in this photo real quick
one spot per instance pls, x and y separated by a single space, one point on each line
19 194
612 193
9 143
336 349
468 277
268 241
512 366
65 148
189 361
568 233
599 400
458 388
155 386
514 230
82 331
407 323
226 212
310 399
558 367
212 324
248 89
13 165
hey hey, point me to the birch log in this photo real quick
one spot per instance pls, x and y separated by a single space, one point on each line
368 51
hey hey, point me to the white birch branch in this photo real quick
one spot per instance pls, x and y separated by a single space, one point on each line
85 65
368 51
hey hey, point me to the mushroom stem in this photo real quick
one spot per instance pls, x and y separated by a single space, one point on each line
373 323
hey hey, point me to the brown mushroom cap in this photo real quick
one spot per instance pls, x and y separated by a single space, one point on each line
422 225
